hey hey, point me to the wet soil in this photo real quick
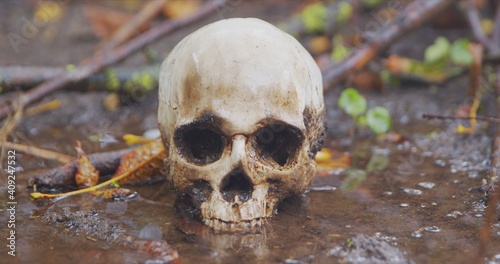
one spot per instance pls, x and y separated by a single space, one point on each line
426 206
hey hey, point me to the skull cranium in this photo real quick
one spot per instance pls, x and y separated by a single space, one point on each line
242 116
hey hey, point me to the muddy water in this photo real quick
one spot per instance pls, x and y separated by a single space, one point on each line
416 209
426 223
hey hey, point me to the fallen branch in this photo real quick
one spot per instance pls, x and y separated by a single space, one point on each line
415 14
444 117
106 163
38 195
97 63
112 79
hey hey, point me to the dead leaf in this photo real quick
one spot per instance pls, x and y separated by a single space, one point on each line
49 11
332 161
111 102
319 44
131 139
145 163
175 9
86 175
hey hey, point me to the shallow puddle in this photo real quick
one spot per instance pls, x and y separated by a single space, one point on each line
426 214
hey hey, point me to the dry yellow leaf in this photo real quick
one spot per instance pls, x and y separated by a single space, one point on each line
179 8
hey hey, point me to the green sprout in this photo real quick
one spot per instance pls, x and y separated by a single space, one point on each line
378 119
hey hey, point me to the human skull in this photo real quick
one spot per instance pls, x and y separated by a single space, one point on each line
241 115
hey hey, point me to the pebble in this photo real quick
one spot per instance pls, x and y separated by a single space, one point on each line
427 185
412 191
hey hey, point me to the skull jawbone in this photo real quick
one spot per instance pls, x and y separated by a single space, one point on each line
237 215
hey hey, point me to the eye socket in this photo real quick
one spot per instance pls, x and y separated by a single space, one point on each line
278 142
198 144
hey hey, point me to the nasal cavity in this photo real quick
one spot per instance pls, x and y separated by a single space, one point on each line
236 183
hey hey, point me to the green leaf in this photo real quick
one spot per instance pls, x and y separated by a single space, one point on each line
459 53
379 119
344 12
378 162
352 102
314 17
437 52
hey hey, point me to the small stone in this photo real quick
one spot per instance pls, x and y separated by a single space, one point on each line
412 191
427 185
455 214
416 234
432 229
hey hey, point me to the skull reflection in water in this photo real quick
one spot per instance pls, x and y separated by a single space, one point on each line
242 116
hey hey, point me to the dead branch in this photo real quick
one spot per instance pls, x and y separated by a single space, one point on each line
14 77
415 14
64 175
444 117
97 63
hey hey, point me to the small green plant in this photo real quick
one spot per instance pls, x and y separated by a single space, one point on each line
354 104
442 52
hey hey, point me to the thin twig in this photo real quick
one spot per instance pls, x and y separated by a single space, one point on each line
95 64
443 117
13 120
475 23
416 13
38 152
